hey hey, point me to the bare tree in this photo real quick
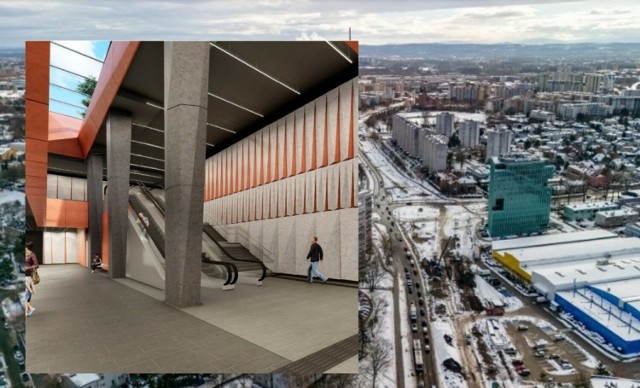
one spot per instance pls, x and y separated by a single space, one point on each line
380 357
373 275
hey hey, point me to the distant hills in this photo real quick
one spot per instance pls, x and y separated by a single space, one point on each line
503 50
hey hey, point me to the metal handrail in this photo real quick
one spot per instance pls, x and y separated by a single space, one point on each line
232 270
206 227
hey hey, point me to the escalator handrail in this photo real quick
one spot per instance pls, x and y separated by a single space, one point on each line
155 233
232 270
257 261
160 208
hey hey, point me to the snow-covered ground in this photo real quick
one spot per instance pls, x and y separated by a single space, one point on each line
11 196
443 351
485 290
386 329
412 213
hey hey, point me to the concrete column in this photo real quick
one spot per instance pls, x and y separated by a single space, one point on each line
118 164
95 162
186 81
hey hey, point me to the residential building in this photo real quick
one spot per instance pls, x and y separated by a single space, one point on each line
434 153
469 133
519 196
498 142
615 218
586 211
444 123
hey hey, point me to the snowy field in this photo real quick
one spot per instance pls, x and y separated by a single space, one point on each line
11 196
444 351
412 213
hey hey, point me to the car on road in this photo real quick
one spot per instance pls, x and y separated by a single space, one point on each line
427 348
422 312
410 289
408 275
523 327
420 301
419 294
425 330
406 270
417 285
19 357
517 362
414 328
415 272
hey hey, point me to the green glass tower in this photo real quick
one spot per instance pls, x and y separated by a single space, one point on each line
519 198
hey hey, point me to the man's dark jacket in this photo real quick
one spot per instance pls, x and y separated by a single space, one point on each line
315 253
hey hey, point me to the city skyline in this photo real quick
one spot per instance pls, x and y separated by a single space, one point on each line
377 23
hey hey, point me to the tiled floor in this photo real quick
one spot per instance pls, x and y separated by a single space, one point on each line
88 323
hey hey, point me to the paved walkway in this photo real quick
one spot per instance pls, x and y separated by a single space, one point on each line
86 322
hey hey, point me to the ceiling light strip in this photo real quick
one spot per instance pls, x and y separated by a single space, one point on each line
210 145
219 127
234 104
339 52
254 68
147 167
154 105
148 127
148 157
135 172
147 144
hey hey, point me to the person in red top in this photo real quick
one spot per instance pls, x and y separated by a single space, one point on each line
30 260
31 264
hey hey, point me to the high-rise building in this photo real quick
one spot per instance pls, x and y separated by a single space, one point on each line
469 133
444 123
434 152
498 142
519 198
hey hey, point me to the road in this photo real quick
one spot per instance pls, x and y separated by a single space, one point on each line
399 262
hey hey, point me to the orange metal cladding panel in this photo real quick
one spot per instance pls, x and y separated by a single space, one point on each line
67 214
66 147
63 127
76 214
37 120
113 71
37 71
353 44
105 240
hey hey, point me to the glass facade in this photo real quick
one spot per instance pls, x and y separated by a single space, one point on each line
519 198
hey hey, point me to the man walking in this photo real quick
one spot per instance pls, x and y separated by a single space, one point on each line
315 254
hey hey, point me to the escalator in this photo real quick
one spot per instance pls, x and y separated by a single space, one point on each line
154 228
232 253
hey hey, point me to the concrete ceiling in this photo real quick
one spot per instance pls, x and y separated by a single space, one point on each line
267 79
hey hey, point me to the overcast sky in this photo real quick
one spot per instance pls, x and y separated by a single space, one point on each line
372 22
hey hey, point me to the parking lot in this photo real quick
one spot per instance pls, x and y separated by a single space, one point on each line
548 362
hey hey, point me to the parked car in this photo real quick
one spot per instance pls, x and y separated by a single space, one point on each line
27 381
525 373
420 301
19 357
553 356
539 353
523 327
422 312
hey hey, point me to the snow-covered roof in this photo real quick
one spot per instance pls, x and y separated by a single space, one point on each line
563 276
576 251
551 239
607 314
627 291
606 382
616 213
83 379
590 206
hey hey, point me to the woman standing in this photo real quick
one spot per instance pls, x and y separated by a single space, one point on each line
31 265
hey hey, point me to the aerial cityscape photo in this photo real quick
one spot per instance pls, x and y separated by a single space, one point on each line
497 195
